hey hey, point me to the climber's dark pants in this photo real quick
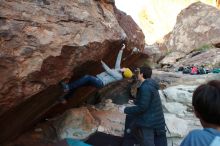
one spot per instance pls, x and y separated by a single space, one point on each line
86 80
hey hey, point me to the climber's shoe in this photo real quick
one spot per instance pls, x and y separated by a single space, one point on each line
65 86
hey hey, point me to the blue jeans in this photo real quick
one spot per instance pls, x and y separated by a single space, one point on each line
150 137
86 80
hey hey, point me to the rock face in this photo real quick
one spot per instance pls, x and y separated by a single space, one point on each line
43 42
180 94
76 123
134 33
155 52
197 26
174 79
80 123
210 58
180 119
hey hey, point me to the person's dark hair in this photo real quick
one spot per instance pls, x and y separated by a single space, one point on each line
146 71
206 102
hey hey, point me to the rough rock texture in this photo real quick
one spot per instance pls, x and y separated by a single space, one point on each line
43 42
178 127
118 92
210 58
80 123
76 123
177 102
155 52
168 79
179 115
180 94
197 26
111 122
134 33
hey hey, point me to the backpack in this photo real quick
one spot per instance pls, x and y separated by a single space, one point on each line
216 70
181 68
202 71
194 70
186 70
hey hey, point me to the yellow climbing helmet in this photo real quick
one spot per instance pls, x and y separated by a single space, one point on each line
127 73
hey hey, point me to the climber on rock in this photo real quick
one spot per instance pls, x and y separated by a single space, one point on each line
100 80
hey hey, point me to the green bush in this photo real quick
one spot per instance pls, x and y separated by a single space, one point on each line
204 47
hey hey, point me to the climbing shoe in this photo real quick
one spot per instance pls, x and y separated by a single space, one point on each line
65 87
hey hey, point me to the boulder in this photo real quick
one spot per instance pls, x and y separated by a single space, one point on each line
80 123
177 127
110 122
175 108
172 58
210 58
76 123
119 93
155 52
180 93
135 37
177 78
197 26
44 42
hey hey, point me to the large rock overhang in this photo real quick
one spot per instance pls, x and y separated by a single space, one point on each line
44 43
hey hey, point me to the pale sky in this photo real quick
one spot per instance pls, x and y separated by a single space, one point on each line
131 7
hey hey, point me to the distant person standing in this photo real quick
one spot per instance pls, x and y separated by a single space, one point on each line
148 123
206 101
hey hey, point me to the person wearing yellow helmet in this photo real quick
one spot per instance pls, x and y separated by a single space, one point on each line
127 73
100 80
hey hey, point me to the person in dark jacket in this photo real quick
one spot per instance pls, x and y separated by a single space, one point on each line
148 125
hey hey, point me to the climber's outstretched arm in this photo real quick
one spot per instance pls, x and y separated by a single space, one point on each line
114 74
118 60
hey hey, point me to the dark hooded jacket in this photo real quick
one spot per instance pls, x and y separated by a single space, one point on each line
147 111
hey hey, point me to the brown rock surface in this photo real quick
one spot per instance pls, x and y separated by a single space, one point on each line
110 122
77 123
218 3
43 42
134 34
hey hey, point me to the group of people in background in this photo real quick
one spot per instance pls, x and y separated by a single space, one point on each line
197 70
145 122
